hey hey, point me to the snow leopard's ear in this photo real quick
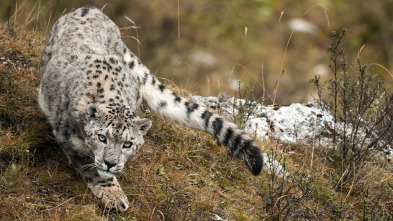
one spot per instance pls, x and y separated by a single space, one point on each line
143 125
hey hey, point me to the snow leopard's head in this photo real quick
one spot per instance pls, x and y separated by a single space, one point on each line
114 134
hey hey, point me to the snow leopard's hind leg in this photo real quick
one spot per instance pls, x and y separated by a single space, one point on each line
176 108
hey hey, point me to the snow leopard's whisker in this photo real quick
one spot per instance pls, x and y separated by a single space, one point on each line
89 166
87 155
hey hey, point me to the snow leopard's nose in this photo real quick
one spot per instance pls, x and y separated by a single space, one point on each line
109 165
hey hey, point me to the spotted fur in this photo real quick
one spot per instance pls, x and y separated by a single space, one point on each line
91 87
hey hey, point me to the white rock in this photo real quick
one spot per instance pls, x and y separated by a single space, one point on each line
296 123
301 25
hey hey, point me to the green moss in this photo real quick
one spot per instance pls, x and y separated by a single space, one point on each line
52 177
13 177
85 214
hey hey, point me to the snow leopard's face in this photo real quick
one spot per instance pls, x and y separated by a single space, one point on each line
114 135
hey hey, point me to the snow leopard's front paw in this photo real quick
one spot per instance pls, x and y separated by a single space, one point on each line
111 194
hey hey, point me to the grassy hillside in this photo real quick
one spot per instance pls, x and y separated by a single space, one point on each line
181 174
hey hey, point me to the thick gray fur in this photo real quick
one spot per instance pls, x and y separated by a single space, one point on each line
91 87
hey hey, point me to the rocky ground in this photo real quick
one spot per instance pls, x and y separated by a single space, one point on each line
296 123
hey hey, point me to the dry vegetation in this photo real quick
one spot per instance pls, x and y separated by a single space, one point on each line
181 174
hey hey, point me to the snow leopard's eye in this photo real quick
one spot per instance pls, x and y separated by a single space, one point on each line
102 138
127 144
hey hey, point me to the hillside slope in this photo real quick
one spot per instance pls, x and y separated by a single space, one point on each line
181 174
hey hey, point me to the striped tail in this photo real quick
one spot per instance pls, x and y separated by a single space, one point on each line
178 109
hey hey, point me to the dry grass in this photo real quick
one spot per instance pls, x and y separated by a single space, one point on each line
181 174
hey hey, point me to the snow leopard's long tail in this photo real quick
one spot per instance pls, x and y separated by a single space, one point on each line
176 108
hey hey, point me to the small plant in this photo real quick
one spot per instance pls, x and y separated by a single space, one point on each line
244 106
285 192
362 109
368 207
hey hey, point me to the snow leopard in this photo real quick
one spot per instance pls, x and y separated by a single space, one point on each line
91 86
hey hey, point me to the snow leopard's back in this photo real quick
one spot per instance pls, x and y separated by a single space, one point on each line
84 31
75 39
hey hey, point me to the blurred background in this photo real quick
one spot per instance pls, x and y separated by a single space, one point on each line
207 47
